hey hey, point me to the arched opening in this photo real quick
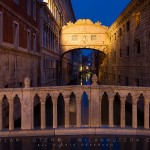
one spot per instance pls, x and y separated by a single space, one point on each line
140 111
49 111
37 112
104 109
17 112
128 110
5 113
72 110
60 110
116 106
86 62
84 110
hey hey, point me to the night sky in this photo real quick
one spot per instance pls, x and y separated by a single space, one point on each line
105 11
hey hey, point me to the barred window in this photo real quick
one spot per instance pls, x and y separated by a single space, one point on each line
93 37
74 37
29 7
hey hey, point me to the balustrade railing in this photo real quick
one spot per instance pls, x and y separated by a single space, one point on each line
97 95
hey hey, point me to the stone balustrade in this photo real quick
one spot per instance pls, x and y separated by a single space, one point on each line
96 98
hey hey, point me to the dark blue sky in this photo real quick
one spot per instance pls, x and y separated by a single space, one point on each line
105 11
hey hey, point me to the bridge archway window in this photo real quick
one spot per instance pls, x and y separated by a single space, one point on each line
37 111
49 111
85 110
128 110
17 112
60 110
72 110
116 109
93 37
104 109
5 113
140 111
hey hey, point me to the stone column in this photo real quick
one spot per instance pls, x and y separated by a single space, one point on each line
66 112
27 114
94 93
111 112
89 111
1 118
78 122
122 112
11 115
32 114
100 111
55 113
43 121
146 114
134 112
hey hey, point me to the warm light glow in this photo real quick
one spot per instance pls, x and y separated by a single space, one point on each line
81 82
81 68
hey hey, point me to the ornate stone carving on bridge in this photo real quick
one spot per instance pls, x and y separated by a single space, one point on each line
84 34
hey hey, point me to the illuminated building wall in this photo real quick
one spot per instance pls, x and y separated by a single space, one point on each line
19 38
53 15
29 41
128 60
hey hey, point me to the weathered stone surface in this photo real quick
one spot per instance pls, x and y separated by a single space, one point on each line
84 34
95 94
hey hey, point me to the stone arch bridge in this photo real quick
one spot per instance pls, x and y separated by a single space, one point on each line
84 34
95 93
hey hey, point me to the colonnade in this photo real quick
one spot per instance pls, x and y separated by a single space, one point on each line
78 113
95 95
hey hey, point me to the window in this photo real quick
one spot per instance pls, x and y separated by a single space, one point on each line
34 9
34 42
115 36
93 37
16 1
128 50
126 81
128 26
16 34
119 79
120 32
74 37
137 82
29 7
138 18
15 65
1 27
28 40
120 52
138 47
44 35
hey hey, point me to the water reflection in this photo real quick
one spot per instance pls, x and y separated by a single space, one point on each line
85 79
76 142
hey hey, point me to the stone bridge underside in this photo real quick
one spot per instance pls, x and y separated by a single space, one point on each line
84 34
